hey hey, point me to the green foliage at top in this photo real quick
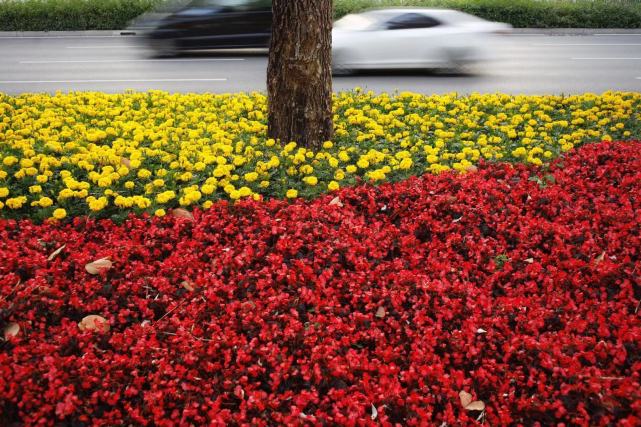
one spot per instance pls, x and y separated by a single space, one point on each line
70 15
57 15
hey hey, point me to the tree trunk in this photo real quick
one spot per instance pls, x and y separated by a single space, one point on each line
299 76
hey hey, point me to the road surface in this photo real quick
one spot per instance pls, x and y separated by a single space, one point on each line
524 63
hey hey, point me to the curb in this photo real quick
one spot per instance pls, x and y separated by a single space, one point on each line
575 31
136 32
64 34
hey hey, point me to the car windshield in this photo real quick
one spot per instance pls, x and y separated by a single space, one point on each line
355 22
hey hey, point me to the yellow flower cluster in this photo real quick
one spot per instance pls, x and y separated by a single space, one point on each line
107 155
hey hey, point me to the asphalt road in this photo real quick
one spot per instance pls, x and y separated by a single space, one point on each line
524 63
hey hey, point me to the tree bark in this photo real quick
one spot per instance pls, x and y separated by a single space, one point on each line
299 76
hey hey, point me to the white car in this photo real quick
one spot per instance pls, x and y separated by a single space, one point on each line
411 39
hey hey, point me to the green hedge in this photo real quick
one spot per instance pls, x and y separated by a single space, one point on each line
51 15
70 15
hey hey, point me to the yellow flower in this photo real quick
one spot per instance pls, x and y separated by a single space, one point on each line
362 163
406 163
59 213
9 160
333 186
160 213
292 193
519 152
245 191
16 202
4 191
310 180
251 176
45 202
351 168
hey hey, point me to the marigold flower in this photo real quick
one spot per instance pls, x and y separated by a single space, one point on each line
292 193
59 213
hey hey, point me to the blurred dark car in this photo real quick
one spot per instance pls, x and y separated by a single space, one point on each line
213 24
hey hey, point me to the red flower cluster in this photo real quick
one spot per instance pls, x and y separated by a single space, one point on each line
519 286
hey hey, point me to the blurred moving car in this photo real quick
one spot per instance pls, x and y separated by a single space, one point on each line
212 24
403 38
412 39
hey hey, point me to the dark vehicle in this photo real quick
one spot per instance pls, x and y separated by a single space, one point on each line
213 24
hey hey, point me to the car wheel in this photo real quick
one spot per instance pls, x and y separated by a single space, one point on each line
165 48
338 66
456 64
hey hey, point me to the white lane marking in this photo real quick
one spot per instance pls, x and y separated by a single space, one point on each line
604 34
525 35
110 81
62 37
116 46
605 59
100 61
586 44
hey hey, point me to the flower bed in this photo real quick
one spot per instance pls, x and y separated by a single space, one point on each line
516 284
108 155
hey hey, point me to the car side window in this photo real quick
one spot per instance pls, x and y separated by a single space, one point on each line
411 21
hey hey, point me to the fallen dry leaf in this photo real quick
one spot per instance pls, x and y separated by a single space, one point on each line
11 330
125 162
56 252
182 213
529 260
466 398
475 406
600 257
94 322
98 265
187 285
336 201
471 168
468 404
380 313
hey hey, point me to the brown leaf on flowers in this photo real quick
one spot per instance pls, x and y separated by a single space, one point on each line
468 404
94 322
380 313
11 330
98 265
600 257
56 252
188 285
336 201
125 162
182 213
